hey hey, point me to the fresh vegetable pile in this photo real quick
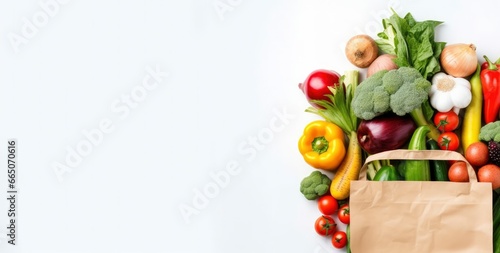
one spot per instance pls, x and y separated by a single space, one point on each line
417 94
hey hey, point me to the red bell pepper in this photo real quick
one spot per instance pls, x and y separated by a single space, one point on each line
490 81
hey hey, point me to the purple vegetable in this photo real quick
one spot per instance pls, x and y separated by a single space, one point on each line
386 132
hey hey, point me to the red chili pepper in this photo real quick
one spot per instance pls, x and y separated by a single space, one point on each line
490 81
486 64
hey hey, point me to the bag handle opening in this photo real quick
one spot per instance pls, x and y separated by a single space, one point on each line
404 154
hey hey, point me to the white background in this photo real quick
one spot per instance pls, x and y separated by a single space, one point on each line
232 73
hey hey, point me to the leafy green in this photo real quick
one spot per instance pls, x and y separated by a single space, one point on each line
412 42
338 110
387 39
427 110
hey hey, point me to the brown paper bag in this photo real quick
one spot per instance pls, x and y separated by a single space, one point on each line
420 217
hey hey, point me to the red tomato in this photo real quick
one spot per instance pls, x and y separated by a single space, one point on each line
327 205
339 239
448 141
446 121
325 225
344 214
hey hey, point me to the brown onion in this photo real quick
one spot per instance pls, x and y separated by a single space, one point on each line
383 62
459 60
361 50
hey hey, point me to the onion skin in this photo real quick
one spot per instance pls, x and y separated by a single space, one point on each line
361 50
386 132
383 62
459 60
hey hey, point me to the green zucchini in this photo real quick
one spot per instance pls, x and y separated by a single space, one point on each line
401 169
439 168
418 170
386 173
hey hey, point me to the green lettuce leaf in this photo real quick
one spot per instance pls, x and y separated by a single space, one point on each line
412 42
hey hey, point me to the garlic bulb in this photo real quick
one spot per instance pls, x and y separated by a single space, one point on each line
448 92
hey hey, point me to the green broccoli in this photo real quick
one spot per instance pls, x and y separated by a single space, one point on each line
366 91
315 185
409 95
401 91
392 82
490 132
380 98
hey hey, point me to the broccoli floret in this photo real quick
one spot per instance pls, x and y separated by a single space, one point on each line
379 74
409 74
380 100
392 82
315 185
424 87
402 91
410 96
490 132
363 100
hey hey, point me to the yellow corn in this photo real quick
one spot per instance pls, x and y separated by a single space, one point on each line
348 169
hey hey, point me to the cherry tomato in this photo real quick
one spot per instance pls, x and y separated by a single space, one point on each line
327 205
325 225
446 121
448 141
339 239
485 65
344 214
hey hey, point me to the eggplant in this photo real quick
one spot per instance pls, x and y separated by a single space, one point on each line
385 132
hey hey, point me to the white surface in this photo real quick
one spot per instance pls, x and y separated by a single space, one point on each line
231 75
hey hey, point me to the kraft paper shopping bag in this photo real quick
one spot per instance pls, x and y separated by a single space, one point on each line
420 217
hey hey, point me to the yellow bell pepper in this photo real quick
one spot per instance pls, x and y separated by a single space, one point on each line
322 145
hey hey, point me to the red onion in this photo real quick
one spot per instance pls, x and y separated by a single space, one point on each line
383 62
385 132
315 87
